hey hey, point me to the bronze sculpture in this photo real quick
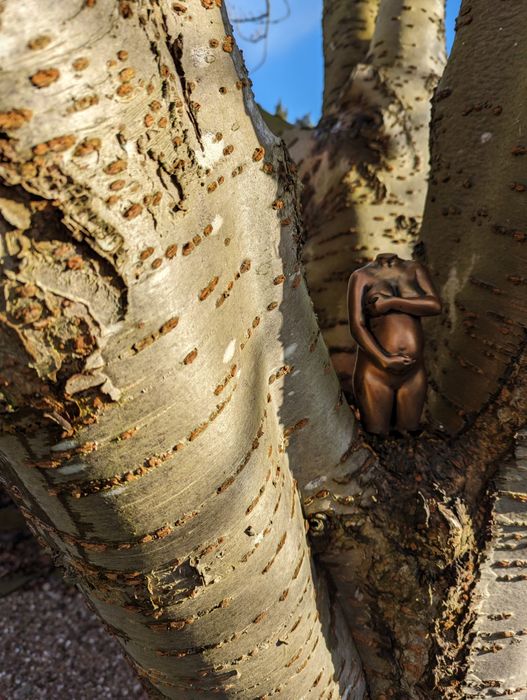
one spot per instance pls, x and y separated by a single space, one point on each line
386 299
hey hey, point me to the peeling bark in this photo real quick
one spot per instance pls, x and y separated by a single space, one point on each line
153 310
498 650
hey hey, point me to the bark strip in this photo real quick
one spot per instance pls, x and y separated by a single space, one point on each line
497 653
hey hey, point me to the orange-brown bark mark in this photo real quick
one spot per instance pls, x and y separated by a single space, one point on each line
149 339
124 370
348 29
282 372
244 267
171 605
228 378
85 488
159 590
476 201
365 172
249 332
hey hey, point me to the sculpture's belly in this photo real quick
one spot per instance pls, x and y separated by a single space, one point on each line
399 334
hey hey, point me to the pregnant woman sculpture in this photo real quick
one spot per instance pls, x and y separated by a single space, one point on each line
386 299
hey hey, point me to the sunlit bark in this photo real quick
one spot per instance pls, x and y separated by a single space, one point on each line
409 583
348 27
162 368
153 312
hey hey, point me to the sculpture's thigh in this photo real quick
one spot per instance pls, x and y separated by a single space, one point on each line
410 399
374 395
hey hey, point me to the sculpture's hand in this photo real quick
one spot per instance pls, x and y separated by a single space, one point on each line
397 363
378 305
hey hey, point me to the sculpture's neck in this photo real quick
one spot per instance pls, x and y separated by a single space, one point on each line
386 259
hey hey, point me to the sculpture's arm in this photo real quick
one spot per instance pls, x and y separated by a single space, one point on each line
427 305
357 321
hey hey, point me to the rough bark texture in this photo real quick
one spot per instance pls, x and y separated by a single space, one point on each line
474 240
365 167
153 312
163 367
405 563
496 665
474 235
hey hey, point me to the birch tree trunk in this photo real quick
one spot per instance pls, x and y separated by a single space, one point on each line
153 311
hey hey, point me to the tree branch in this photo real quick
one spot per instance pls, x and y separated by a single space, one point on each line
474 231
409 36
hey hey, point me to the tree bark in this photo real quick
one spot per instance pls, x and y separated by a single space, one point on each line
153 309
474 234
163 369
347 28
497 653
474 241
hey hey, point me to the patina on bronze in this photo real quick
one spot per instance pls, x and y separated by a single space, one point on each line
386 299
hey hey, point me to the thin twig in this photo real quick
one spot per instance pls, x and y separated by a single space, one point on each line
262 35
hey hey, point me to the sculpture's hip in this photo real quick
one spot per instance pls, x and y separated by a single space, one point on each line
367 371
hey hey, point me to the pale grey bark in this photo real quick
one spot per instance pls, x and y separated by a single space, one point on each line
154 308
163 369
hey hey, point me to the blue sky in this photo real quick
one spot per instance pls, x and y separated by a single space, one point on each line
292 70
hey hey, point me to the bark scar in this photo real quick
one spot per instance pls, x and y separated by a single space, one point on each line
177 54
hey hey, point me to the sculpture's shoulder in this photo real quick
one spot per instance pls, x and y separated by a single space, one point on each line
412 266
361 274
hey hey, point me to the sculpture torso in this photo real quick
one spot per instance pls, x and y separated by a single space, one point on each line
386 299
395 331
